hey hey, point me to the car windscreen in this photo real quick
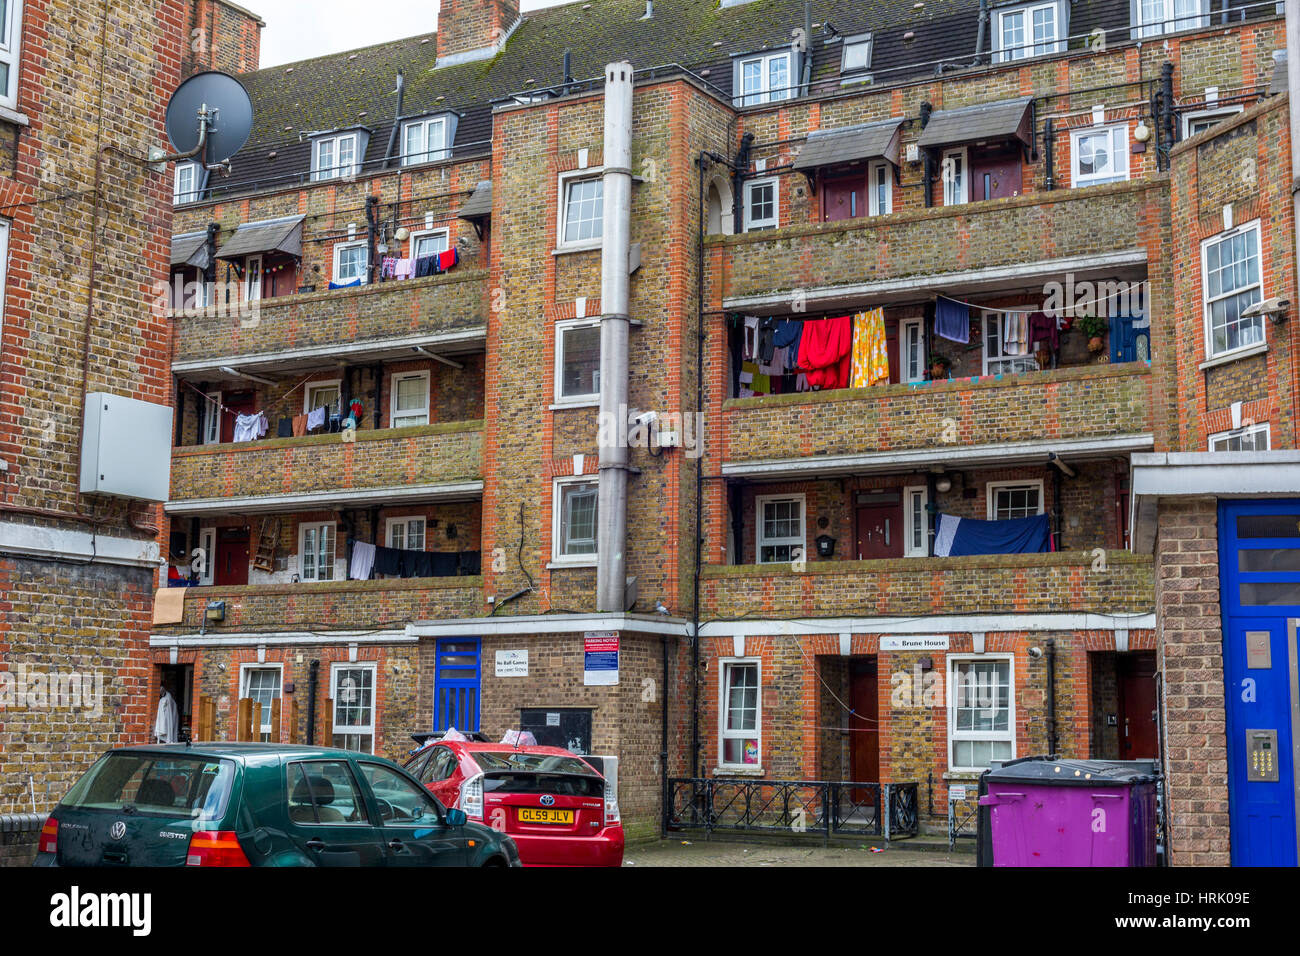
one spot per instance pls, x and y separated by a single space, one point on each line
518 760
530 781
155 785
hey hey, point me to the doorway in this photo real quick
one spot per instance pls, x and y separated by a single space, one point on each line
237 403
995 173
177 680
231 565
879 525
1135 678
864 724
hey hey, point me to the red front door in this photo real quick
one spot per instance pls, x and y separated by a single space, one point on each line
1137 705
237 403
880 531
232 556
844 197
864 728
994 174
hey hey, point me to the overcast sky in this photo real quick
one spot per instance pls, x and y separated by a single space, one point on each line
296 30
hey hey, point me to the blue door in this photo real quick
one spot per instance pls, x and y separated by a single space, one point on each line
1130 339
456 683
1259 560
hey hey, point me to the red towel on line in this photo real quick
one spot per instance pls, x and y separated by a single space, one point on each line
825 351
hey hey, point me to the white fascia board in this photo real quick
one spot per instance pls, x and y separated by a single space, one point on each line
913 288
943 623
550 624
953 455
253 639
36 541
352 497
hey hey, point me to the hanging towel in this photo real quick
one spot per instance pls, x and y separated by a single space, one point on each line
749 332
388 561
404 269
351 283
316 418
825 351
388 267
249 427
363 560
952 320
299 426
958 536
448 259
1042 328
285 428
785 332
870 349
766 340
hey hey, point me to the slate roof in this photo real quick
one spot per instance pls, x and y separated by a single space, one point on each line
190 249
849 143
265 235
1001 120
357 87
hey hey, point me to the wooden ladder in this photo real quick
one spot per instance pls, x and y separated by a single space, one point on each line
268 541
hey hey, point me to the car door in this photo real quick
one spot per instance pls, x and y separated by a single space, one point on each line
329 818
415 828
440 776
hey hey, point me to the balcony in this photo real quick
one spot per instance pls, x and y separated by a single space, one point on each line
1085 411
978 245
383 466
330 606
978 584
278 333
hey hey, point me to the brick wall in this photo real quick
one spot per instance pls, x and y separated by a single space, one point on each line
465 25
220 35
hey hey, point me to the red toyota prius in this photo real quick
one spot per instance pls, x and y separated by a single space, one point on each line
557 808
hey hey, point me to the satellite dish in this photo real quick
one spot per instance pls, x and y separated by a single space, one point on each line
229 116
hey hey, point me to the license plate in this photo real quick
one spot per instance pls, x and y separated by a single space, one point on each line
543 815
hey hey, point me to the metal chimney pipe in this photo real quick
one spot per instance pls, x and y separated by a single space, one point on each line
611 536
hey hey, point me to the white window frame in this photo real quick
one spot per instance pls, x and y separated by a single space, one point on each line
180 195
952 195
1206 303
1217 113
904 372
4 267
1001 364
435 234
725 664
558 557
910 548
765 93
317 526
11 37
429 155
1165 24
856 74
761 541
874 171
992 488
360 730
772 222
1077 179
954 698
566 181
267 728
394 414
211 419
208 543
1028 46
252 290
404 522
562 329
335 170
308 390
339 248
1222 438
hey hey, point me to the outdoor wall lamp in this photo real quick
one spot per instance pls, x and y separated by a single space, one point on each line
1274 308
943 484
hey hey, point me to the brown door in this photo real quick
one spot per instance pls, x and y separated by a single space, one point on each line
994 175
864 728
232 556
844 197
1137 705
237 403
880 531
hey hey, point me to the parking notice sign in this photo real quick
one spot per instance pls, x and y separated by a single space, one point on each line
600 658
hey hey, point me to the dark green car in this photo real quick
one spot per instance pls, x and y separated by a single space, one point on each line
259 805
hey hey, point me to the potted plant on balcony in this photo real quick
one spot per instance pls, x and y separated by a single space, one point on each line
939 365
1093 328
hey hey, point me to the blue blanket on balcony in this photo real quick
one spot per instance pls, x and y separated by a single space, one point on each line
956 536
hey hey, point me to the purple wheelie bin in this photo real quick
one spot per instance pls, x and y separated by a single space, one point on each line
1052 812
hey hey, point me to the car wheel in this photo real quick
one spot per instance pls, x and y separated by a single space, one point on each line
494 861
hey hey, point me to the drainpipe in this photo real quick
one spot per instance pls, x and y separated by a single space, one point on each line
980 34
1049 155
615 323
313 678
210 272
1293 107
1051 696
1167 108
372 231
805 72
391 152
927 164
738 182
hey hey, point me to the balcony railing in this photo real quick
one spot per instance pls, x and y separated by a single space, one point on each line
330 605
1116 582
1042 226
371 313
444 453
1084 402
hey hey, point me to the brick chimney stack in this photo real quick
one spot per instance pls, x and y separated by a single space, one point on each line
473 29
220 35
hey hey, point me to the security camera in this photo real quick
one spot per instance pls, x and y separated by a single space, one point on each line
1035 652
1275 308
646 418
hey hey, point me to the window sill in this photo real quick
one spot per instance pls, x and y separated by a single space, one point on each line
963 776
560 563
14 116
583 403
738 771
589 246
1258 348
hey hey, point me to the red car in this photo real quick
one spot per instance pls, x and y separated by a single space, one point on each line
557 808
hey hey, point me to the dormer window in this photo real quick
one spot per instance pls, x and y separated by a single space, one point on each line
187 186
1154 17
1034 30
335 157
426 140
855 58
764 78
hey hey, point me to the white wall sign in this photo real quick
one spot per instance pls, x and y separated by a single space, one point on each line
914 642
512 663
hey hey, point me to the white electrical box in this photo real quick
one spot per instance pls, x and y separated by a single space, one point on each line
127 448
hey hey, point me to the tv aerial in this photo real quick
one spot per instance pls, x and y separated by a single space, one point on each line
208 120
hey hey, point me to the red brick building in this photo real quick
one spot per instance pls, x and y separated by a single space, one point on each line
1014 177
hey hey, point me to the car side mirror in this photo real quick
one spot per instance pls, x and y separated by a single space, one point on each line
456 817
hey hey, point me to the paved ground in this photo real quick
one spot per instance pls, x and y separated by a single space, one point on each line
720 853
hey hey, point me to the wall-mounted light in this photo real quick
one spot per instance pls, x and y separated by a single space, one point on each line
943 484
1142 132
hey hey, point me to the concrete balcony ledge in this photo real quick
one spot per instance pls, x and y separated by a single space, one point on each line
217 591
1055 559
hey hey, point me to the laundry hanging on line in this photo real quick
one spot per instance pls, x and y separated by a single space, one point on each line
958 536
249 427
870 349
